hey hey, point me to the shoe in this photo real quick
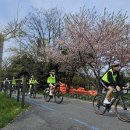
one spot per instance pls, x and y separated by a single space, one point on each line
110 111
106 101
112 99
50 93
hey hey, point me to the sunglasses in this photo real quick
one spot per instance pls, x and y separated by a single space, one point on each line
116 66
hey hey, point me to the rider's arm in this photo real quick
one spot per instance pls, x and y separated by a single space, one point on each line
36 82
120 80
29 81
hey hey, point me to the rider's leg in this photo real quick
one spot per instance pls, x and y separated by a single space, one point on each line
118 88
30 89
108 95
51 88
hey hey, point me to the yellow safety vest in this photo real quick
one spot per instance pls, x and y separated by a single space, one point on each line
32 81
105 76
51 79
13 82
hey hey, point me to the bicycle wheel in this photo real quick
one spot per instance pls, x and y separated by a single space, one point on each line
34 94
45 90
98 105
58 97
123 113
47 96
31 93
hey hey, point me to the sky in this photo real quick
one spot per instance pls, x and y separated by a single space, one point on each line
9 9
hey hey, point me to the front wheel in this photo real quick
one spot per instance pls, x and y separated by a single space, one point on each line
122 108
46 95
98 105
34 93
58 97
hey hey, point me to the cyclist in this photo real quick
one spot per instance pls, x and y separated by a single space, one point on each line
32 81
6 84
111 79
14 84
51 80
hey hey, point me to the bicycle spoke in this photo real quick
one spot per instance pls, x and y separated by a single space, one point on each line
47 96
58 97
123 110
98 105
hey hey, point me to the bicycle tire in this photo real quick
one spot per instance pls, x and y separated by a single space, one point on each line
47 97
31 93
58 97
45 90
123 115
98 105
34 94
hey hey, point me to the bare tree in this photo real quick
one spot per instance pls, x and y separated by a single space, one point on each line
41 28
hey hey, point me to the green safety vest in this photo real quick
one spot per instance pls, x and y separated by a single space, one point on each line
13 82
105 76
32 81
51 79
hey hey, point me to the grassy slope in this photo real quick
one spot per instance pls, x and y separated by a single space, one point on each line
9 109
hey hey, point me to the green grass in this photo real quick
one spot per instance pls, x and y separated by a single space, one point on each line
9 109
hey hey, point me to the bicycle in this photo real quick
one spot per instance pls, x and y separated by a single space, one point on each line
33 91
122 105
57 95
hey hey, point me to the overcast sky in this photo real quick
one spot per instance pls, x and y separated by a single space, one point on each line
9 8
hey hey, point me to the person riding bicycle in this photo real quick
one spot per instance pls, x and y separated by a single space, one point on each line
14 84
6 84
111 78
51 80
32 81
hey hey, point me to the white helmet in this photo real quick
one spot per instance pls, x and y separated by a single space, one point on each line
115 63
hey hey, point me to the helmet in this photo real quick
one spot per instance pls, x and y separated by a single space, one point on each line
32 76
115 63
52 71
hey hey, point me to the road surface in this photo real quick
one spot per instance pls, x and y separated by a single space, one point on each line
72 114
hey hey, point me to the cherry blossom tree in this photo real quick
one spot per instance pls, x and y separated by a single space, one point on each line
92 41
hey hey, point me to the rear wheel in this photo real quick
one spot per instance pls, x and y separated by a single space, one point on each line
123 113
58 97
98 105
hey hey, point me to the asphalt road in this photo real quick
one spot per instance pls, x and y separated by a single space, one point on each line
72 114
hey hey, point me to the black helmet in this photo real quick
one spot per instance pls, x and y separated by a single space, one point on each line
52 71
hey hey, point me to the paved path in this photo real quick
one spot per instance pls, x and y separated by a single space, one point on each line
72 114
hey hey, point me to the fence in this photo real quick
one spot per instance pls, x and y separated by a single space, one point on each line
20 88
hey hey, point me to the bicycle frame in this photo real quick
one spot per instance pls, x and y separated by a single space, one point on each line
119 95
121 105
